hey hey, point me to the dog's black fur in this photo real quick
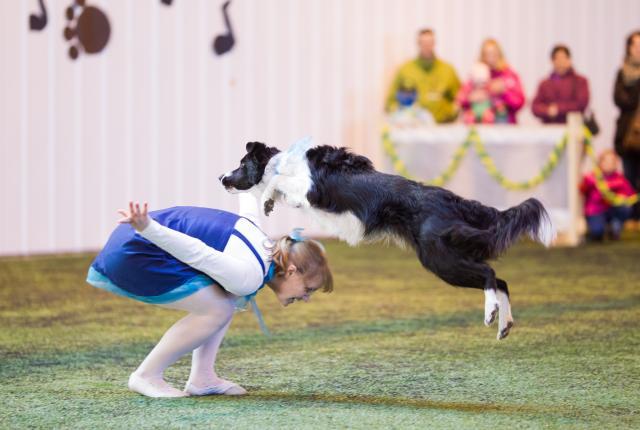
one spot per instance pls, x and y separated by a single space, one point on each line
452 236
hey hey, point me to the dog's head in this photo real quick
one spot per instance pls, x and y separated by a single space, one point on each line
251 170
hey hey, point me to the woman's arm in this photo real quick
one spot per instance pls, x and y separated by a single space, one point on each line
248 208
513 94
540 107
236 275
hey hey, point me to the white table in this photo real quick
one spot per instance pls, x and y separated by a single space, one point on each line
519 152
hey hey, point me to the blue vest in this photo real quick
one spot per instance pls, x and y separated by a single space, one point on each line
132 266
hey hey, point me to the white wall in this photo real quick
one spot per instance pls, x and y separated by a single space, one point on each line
158 117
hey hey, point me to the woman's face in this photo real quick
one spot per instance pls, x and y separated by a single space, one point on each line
294 287
634 49
561 63
491 55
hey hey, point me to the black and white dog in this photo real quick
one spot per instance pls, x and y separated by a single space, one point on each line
453 237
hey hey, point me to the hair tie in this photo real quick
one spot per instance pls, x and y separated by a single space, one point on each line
296 235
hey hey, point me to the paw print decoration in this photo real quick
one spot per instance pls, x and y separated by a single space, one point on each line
87 29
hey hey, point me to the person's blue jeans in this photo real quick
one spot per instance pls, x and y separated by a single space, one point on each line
614 217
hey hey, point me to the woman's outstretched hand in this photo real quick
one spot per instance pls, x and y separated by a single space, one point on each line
137 218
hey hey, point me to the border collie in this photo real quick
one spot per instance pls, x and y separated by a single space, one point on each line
452 236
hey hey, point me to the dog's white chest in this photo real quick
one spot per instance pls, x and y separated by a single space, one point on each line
346 226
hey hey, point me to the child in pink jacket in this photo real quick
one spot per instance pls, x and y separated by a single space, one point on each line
599 213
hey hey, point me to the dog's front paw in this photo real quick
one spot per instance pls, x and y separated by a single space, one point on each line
268 206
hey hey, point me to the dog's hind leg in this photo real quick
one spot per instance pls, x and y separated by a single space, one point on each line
505 319
460 272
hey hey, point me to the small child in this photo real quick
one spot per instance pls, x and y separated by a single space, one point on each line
599 213
480 108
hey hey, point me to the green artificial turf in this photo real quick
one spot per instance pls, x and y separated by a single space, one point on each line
391 347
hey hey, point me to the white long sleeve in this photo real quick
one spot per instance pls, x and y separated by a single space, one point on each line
237 275
248 207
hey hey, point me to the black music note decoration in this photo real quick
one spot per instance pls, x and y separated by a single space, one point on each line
224 42
38 22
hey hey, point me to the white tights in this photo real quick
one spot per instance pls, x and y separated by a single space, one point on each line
201 331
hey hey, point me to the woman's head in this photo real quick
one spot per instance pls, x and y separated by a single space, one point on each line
561 59
632 53
608 161
491 54
301 269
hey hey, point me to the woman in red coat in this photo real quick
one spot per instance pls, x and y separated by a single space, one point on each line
562 92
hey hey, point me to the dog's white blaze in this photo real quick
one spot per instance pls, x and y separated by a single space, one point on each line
292 182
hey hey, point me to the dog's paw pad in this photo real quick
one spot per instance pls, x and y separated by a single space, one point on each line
268 206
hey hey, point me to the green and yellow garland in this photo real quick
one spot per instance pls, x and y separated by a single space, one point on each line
473 140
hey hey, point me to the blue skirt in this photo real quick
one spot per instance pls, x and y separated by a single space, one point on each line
131 266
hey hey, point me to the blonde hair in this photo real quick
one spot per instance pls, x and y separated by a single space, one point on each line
502 63
309 258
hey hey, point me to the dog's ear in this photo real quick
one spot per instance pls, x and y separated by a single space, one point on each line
252 146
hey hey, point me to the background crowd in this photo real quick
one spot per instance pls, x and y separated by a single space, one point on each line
493 94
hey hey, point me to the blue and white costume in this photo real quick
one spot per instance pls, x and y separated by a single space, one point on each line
184 249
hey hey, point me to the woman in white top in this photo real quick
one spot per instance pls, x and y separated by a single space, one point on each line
200 260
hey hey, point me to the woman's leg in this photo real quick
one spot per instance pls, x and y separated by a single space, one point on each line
210 310
203 378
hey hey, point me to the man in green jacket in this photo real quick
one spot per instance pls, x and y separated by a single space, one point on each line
434 81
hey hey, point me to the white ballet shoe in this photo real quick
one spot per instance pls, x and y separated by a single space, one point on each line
505 319
153 387
490 306
226 388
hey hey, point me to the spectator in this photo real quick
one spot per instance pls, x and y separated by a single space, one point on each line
599 213
433 81
562 92
626 96
482 108
504 88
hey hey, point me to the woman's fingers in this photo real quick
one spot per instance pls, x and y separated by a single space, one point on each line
135 214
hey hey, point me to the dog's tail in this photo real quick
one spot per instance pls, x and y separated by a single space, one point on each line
529 217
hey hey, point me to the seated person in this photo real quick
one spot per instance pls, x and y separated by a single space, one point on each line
433 82
601 214
562 92
504 88
482 108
